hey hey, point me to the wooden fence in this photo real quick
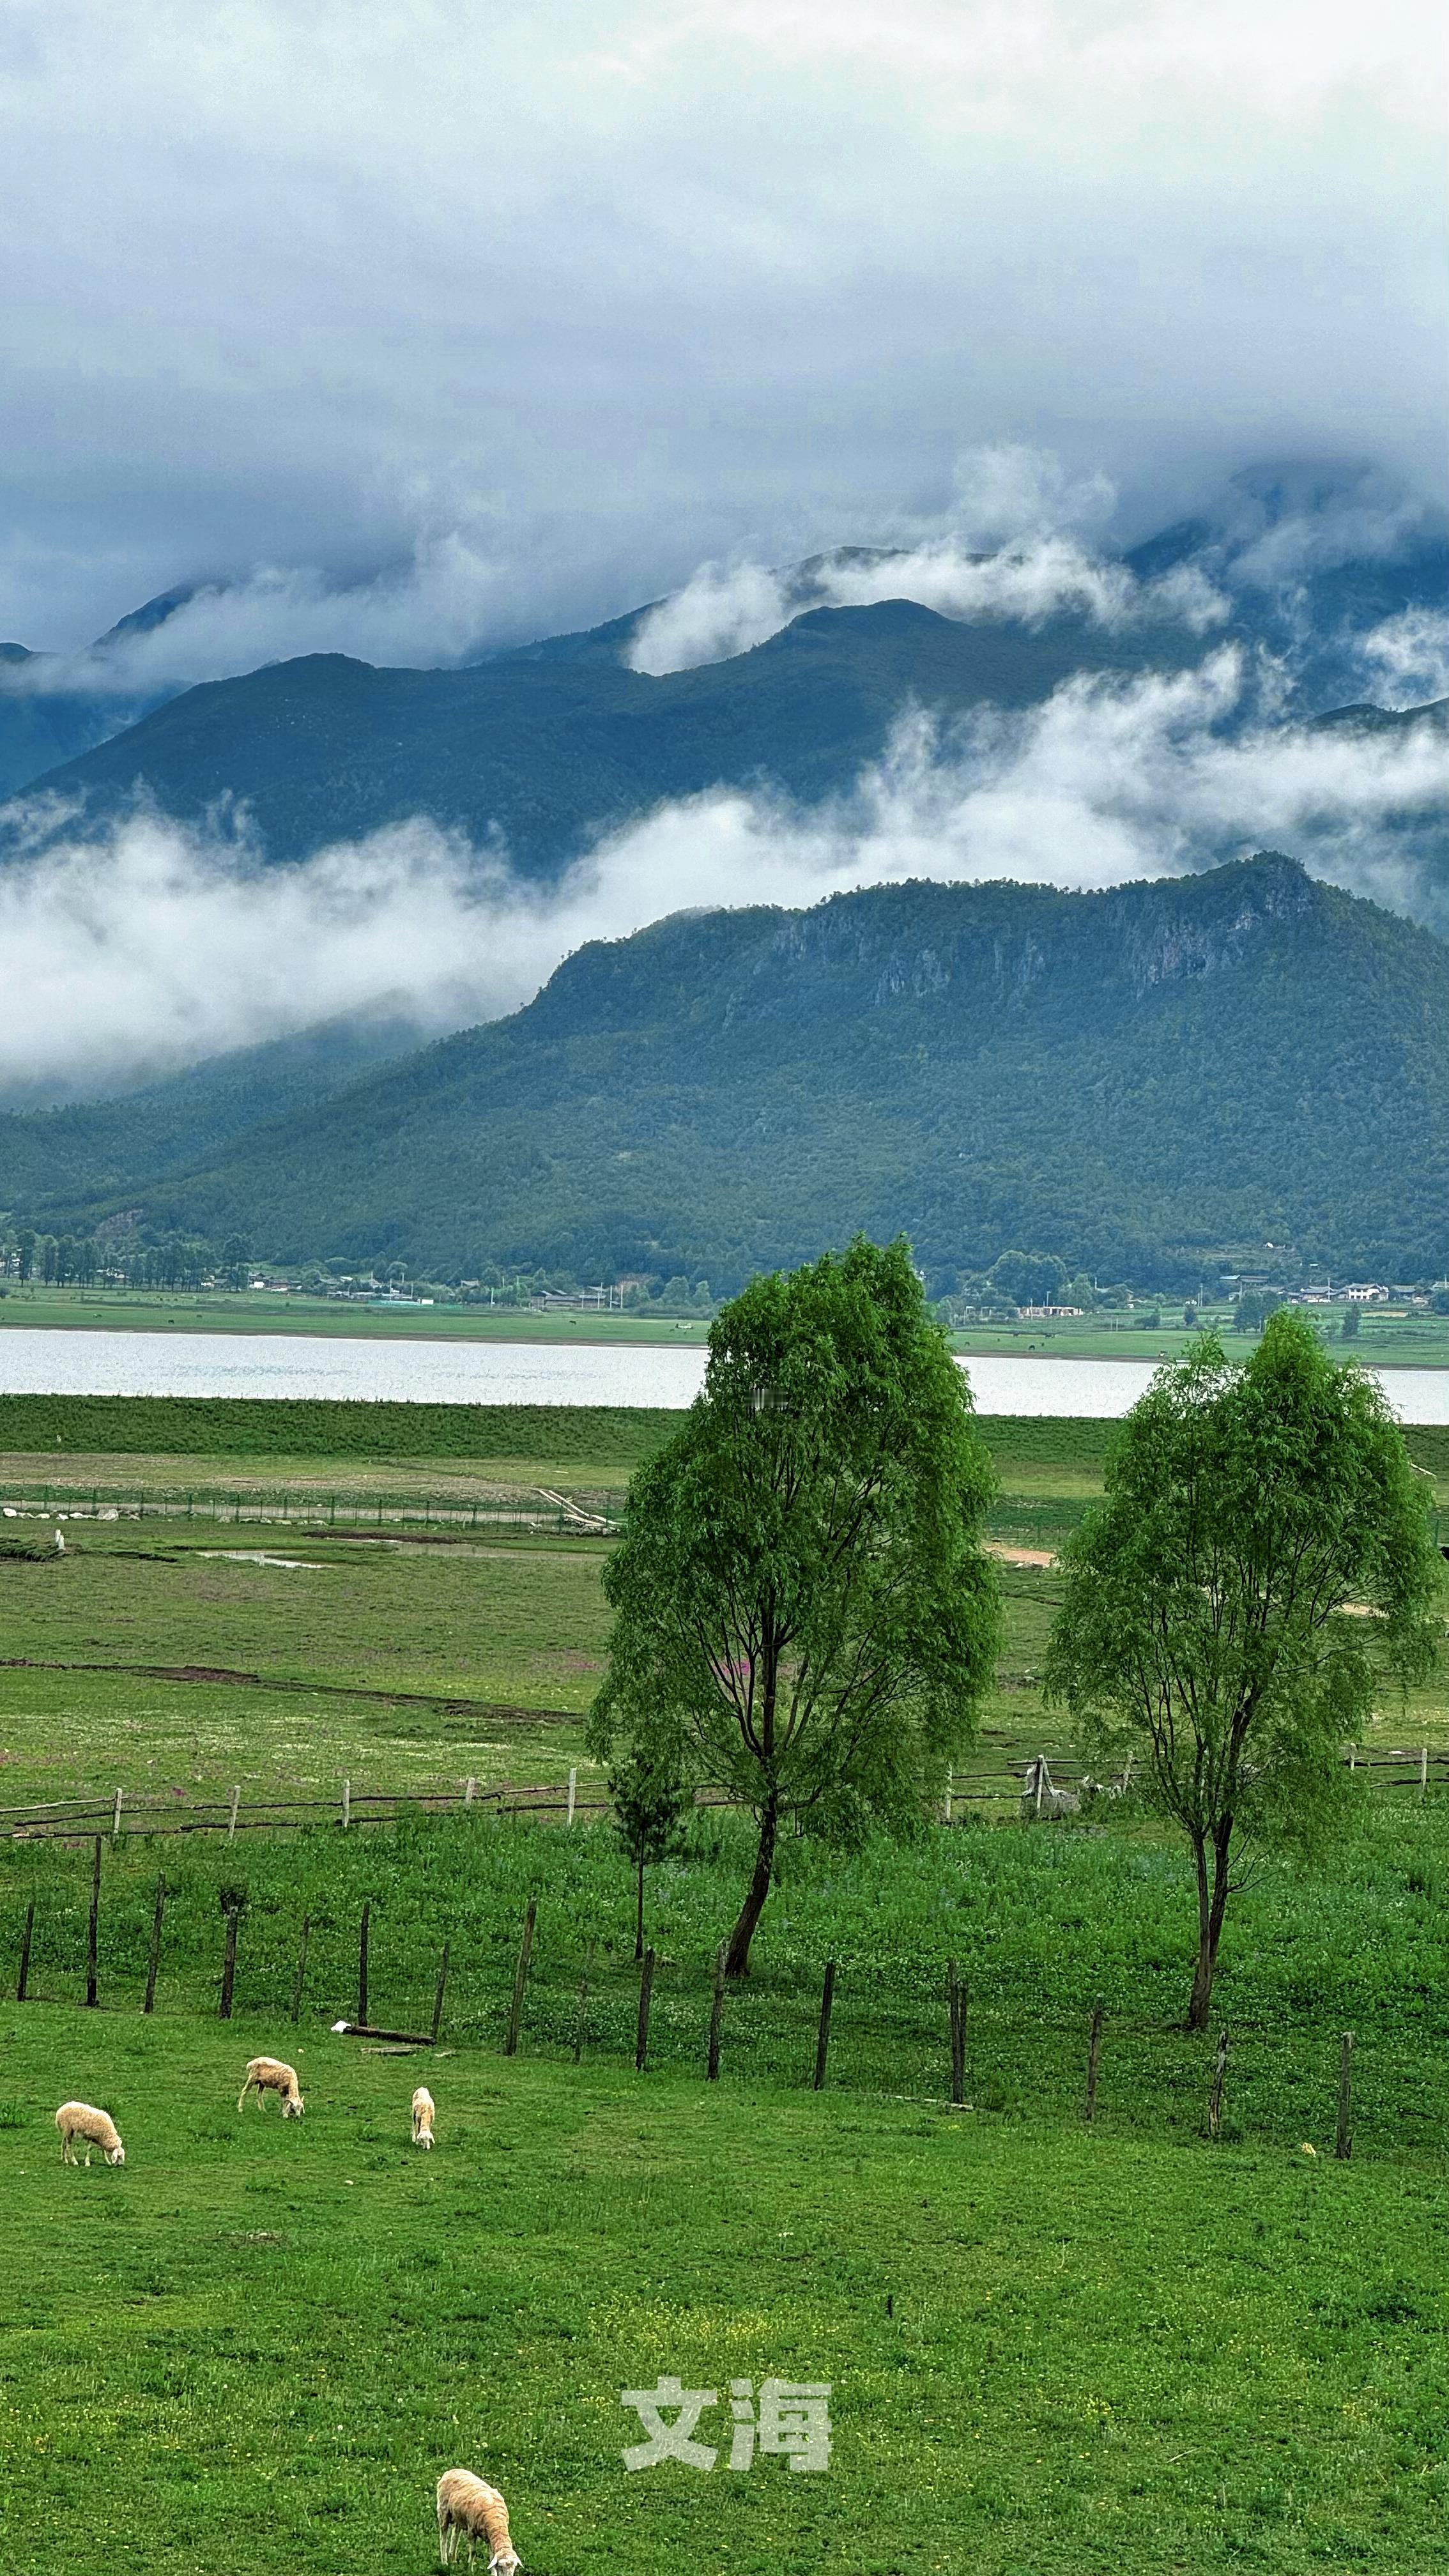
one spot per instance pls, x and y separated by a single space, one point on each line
118 1812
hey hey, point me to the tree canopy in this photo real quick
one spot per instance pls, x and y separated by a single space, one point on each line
1262 1557
803 1615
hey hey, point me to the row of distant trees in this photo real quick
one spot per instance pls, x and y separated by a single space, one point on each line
805 1617
122 1261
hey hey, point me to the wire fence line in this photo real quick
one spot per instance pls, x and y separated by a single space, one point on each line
905 2026
121 1811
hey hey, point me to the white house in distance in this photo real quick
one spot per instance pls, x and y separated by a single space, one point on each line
1363 1292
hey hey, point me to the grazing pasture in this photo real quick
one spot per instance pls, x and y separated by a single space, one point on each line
1052 2348
1049 2349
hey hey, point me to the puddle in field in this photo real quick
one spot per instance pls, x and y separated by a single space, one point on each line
258 1556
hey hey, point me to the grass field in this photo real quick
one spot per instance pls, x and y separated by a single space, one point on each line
1051 2349
1048 2350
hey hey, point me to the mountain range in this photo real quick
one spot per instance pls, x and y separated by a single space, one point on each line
538 750
1134 1080
1143 1081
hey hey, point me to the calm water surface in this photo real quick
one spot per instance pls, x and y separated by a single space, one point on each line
110 1363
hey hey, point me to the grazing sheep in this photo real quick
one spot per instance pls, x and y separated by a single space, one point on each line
270 2075
468 2506
423 2115
81 2120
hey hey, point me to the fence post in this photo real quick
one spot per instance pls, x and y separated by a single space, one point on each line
470 1791
646 1992
301 1976
438 1993
822 2042
228 1965
23 1980
573 1792
364 1933
1094 2051
1343 2144
346 1804
716 2014
116 1819
154 1961
231 1819
950 1784
1215 2097
93 1929
583 2002
1423 1770
957 1995
525 1953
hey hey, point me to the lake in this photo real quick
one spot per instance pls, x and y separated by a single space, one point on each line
111 1363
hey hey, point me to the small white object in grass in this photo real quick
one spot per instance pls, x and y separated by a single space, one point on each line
1309 2151
339 2025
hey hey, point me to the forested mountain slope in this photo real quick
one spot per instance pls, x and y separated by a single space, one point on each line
1129 1079
549 751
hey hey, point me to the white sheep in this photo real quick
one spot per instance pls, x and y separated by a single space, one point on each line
271 2075
424 2113
82 2120
468 2506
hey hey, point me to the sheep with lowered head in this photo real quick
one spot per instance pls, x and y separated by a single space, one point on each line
82 2120
469 2509
273 2075
424 2113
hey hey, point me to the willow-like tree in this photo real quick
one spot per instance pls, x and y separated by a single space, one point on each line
803 1617
1213 1616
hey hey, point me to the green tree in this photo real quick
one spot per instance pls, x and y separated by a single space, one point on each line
651 1801
1211 1615
1348 1329
1254 1307
803 1617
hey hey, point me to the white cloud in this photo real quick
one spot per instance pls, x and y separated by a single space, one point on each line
1408 658
1008 548
661 282
721 611
156 947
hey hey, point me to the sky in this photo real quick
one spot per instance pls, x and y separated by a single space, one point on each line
413 327
430 324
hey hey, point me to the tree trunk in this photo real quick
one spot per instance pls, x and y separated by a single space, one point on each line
639 1914
737 1963
1212 1902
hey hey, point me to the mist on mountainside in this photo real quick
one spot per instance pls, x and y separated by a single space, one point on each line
1003 697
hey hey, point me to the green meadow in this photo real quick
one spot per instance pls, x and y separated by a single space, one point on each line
1051 2347
255 2347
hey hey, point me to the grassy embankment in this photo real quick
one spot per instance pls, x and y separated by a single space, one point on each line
1411 1339
1052 2350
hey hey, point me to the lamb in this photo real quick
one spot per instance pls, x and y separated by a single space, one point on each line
423 2115
81 2120
468 2506
270 2075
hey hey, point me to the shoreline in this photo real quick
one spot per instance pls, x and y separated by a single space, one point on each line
579 1332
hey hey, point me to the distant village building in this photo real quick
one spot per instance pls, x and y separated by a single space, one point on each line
1027 1313
1364 1292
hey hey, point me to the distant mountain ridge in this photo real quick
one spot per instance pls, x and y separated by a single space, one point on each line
1131 1079
544 746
